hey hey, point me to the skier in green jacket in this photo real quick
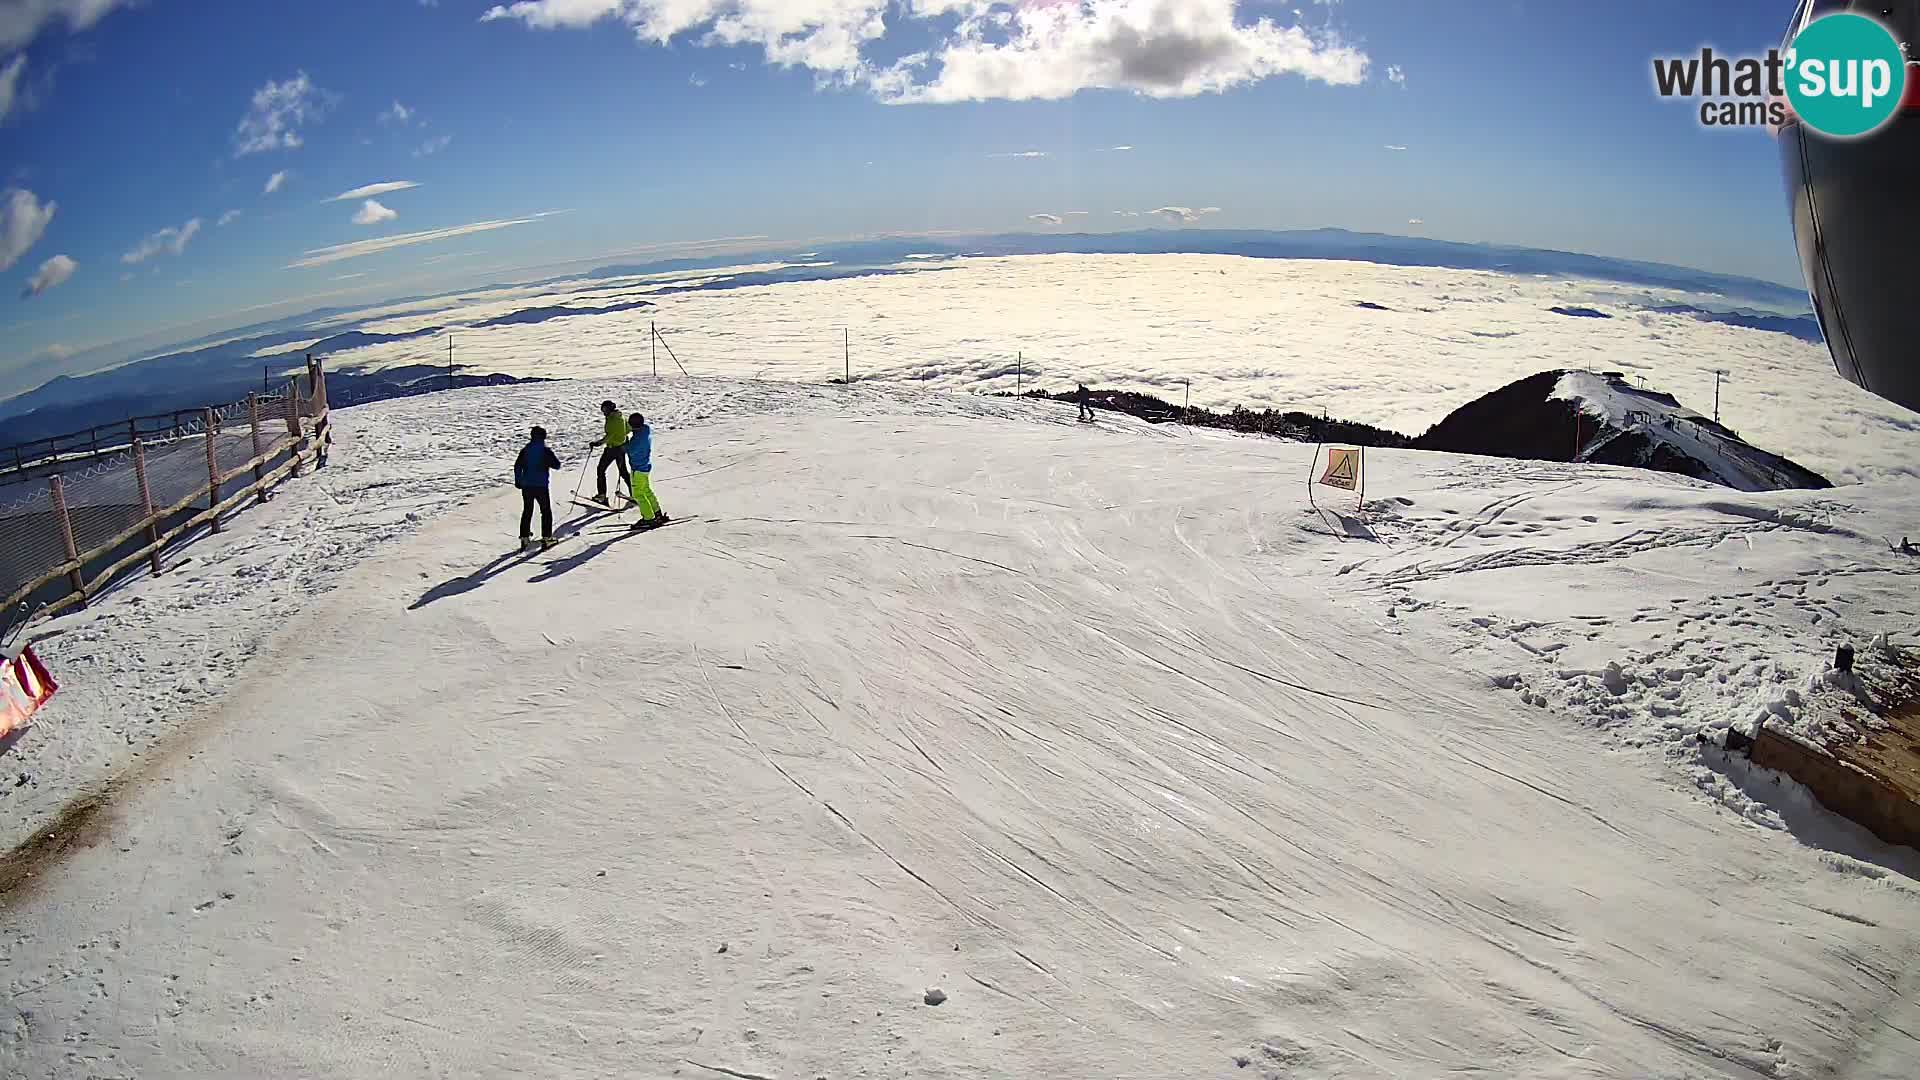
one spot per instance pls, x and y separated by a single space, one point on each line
615 441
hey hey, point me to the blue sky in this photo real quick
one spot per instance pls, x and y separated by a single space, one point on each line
130 131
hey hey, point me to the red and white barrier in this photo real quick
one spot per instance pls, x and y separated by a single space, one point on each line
25 686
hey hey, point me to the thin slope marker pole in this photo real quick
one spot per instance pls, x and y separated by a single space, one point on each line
1313 464
662 339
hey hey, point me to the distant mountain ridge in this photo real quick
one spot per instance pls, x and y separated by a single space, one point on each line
1322 244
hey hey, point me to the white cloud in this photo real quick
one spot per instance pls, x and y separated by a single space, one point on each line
396 115
1183 215
276 182
433 145
350 277
54 271
168 241
1127 213
1022 154
10 83
367 191
22 20
1392 147
1078 213
1416 221
1396 76
1045 219
1157 48
275 114
23 221
696 80
372 213
986 49
1117 149
358 248
228 217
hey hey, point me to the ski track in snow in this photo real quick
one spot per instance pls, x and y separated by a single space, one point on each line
1154 769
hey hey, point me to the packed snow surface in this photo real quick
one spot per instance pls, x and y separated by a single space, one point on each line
1101 735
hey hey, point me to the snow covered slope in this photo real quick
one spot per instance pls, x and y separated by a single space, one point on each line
1151 769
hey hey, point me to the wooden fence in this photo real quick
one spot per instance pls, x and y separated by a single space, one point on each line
121 524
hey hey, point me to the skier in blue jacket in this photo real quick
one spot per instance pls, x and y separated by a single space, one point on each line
530 475
640 465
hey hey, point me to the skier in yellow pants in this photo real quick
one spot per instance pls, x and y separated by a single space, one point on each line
640 461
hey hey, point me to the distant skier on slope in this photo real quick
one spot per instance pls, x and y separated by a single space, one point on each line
615 441
1085 400
530 475
640 458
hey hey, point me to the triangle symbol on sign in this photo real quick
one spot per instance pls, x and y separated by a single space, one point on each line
1341 467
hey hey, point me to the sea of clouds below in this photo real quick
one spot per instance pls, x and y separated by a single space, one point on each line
1255 332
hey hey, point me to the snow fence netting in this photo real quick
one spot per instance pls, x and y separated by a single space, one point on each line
110 503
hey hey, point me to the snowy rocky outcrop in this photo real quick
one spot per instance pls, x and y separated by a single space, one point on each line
1564 415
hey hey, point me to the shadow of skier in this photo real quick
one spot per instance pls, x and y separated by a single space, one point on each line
583 556
468 582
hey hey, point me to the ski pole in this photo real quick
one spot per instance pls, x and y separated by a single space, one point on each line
586 459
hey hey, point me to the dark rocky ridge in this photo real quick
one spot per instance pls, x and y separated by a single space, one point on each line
1519 420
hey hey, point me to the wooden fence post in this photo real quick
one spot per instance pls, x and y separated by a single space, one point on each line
213 466
253 422
59 495
146 503
293 422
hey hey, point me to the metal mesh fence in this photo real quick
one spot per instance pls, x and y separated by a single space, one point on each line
109 506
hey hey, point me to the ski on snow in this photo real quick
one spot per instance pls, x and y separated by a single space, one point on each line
611 507
643 527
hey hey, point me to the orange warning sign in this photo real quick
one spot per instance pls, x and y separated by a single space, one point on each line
1343 469
24 687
